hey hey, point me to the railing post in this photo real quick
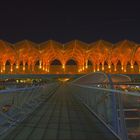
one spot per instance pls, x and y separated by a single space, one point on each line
114 106
124 134
118 126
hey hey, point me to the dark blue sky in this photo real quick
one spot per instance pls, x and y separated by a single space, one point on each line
65 20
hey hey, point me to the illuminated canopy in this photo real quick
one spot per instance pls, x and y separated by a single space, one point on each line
99 53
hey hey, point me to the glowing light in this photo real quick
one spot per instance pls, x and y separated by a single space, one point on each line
3 67
79 70
82 55
40 66
17 66
63 66
11 69
103 68
132 66
23 68
63 79
83 68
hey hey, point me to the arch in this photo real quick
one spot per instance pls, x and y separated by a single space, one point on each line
55 66
119 66
55 62
71 66
105 63
21 63
37 63
136 66
90 63
119 62
135 63
71 62
128 63
128 67
26 64
7 66
20 66
8 63
105 66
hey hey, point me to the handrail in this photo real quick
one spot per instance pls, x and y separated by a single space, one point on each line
113 83
21 89
119 127
105 89
17 104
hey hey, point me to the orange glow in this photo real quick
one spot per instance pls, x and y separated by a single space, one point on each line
132 66
40 65
23 68
79 70
63 66
115 69
4 67
119 55
103 68
63 79
11 69
17 66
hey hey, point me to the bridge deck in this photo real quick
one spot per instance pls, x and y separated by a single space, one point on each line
62 117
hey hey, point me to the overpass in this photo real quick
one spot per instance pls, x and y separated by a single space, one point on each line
83 109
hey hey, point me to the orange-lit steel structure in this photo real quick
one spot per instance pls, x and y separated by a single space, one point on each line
29 57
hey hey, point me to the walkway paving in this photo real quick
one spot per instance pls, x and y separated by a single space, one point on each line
62 117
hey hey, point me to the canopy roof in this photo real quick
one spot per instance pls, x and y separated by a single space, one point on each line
97 52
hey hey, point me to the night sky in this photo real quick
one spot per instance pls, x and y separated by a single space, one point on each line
65 20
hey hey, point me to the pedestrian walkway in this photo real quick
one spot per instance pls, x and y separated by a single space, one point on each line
61 117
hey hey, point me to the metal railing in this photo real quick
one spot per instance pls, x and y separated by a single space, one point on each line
111 107
17 104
